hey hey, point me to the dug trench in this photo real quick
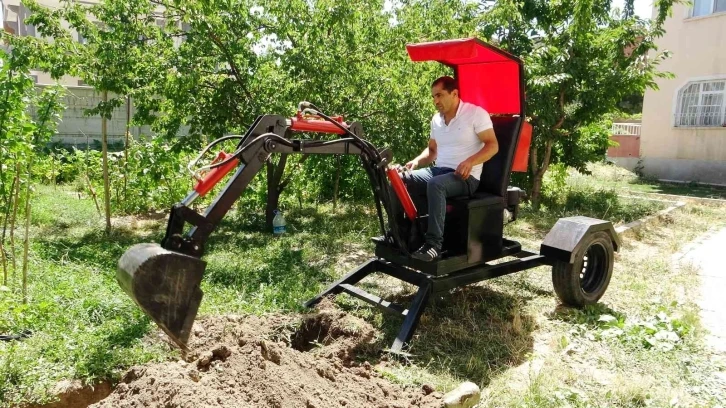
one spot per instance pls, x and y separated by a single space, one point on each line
274 360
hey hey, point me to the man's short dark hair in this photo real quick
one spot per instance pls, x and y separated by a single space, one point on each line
447 82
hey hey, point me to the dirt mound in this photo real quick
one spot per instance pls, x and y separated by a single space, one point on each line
270 361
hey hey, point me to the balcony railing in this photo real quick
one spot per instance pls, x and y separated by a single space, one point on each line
626 129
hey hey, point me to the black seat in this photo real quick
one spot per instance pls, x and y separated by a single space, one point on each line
475 224
495 172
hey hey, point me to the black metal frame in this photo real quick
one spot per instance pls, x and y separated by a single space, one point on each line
428 285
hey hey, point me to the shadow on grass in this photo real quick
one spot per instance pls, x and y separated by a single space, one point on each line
472 333
681 189
92 248
531 290
238 233
309 219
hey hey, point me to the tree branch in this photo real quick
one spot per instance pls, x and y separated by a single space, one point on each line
546 159
562 109
230 60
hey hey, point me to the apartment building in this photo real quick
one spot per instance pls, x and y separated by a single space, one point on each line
683 133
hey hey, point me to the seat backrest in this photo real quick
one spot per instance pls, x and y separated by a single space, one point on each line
495 172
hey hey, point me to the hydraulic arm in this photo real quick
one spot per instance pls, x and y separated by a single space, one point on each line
164 279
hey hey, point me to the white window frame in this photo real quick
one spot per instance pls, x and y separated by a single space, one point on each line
712 8
676 113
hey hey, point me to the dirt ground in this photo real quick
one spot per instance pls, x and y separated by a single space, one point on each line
271 361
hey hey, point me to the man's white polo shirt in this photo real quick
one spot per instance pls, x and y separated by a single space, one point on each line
458 140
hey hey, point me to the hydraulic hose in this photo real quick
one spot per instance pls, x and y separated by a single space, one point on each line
205 150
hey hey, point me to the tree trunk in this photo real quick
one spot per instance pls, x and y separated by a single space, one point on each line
4 261
538 171
126 144
6 217
16 202
337 183
106 184
274 187
536 189
8 205
27 236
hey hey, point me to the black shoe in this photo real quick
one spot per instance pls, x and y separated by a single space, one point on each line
427 253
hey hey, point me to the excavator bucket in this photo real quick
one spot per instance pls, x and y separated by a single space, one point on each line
165 285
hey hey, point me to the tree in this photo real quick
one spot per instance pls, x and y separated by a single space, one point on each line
241 59
581 59
22 134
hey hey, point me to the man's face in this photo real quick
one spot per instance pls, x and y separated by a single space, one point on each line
443 99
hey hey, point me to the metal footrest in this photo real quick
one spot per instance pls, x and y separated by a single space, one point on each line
374 300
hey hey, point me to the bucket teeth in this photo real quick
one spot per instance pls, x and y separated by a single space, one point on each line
165 285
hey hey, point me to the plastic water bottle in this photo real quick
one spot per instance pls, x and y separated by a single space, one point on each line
278 224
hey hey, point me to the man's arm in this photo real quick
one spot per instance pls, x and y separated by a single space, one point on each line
425 158
491 147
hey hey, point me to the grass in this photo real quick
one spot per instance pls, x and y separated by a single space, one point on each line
508 335
608 176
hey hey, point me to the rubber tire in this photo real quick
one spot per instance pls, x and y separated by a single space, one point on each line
566 276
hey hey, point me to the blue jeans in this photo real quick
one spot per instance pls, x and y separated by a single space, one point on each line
429 188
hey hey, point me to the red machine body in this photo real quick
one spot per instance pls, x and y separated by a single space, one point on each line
402 193
302 123
216 174
521 155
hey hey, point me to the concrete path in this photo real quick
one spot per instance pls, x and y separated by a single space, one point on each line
707 256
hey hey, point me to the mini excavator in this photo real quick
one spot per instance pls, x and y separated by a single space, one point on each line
164 279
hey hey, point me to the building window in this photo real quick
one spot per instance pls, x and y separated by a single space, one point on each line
702 104
706 7
26 29
10 22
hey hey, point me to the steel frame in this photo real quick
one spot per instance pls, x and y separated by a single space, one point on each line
428 285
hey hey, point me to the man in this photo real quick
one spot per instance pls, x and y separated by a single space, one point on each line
462 138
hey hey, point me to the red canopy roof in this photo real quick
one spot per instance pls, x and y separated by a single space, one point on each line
488 77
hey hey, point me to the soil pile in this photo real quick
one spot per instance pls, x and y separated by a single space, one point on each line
271 361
